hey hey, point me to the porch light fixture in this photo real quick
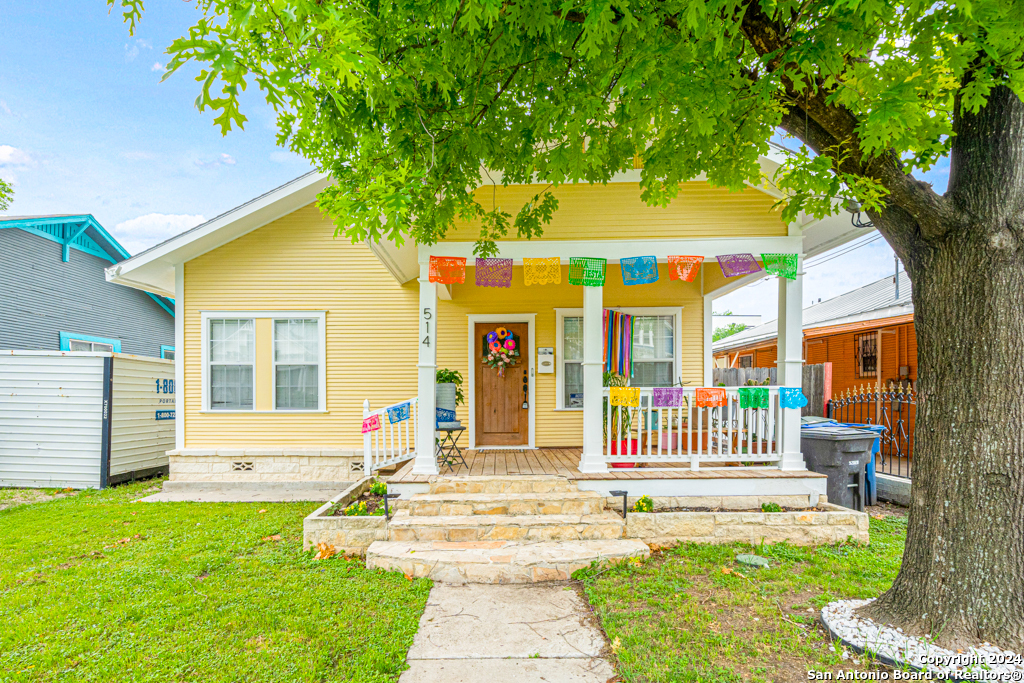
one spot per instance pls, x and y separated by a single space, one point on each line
623 495
854 207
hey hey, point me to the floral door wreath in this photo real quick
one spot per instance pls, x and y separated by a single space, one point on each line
502 350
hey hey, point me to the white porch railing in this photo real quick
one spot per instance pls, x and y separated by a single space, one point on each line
692 435
393 442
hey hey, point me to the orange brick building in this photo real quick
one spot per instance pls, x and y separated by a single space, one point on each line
866 334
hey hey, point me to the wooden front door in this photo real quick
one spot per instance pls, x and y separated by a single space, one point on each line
501 419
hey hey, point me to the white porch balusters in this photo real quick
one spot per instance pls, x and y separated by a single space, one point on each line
592 459
426 373
790 364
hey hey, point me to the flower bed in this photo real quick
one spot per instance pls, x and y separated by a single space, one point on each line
346 533
823 524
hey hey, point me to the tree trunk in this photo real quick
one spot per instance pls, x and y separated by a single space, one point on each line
962 577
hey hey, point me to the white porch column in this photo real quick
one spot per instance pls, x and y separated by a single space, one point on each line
709 359
593 372
426 373
790 364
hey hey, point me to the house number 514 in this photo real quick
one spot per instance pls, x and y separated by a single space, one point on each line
427 315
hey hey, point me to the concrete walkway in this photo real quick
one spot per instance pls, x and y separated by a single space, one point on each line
522 633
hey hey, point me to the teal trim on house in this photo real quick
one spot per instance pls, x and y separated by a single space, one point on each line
164 348
83 233
66 337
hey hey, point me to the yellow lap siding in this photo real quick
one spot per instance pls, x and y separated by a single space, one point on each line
615 211
294 264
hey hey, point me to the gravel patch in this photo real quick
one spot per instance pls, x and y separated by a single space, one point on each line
899 650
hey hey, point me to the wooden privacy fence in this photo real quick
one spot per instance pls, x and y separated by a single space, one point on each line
817 383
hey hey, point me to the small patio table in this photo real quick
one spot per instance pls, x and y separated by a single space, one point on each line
448 452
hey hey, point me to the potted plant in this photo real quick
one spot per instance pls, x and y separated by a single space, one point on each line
448 389
621 423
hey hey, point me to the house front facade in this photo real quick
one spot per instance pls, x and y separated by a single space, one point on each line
292 340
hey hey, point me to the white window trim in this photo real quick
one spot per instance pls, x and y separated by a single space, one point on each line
321 365
562 313
206 316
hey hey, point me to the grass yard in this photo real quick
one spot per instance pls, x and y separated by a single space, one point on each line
97 587
692 614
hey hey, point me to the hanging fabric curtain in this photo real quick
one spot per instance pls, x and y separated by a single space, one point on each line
734 265
618 342
447 270
639 270
684 267
372 423
542 271
493 272
587 271
399 413
783 265
668 397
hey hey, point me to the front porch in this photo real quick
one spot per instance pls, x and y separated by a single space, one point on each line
676 480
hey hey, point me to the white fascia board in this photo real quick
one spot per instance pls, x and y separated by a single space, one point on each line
613 250
153 269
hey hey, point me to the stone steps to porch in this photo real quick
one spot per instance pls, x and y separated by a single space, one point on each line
529 483
556 527
498 561
553 503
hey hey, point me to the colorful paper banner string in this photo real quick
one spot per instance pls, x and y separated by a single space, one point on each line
448 270
684 267
444 415
639 270
625 396
668 397
783 265
399 413
753 397
588 272
493 272
734 265
372 423
792 397
542 271
710 397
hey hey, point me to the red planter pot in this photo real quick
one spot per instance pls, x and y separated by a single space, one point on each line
620 448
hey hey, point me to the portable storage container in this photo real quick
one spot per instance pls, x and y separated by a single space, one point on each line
82 419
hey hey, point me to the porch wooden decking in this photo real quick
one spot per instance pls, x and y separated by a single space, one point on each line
565 461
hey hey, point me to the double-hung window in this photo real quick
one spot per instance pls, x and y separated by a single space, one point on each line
232 360
297 364
654 353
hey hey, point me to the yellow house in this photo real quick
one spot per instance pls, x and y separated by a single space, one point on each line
288 339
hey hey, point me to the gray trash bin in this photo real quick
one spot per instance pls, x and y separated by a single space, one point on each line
841 453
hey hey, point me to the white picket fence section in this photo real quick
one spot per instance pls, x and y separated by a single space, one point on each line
687 434
393 442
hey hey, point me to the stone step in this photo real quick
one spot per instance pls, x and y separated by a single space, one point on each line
554 503
498 561
406 527
510 483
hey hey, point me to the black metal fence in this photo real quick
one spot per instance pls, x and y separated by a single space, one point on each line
895 408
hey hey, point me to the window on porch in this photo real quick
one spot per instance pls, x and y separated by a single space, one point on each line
654 355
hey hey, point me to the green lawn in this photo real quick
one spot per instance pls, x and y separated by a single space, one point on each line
97 587
679 618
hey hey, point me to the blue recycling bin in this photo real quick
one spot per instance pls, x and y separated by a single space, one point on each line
872 484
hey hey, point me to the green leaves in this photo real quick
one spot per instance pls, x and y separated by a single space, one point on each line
6 194
405 103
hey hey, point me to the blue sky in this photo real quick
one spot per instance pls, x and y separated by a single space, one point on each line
86 126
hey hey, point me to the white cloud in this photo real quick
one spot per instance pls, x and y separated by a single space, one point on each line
130 52
140 233
284 157
12 156
157 66
222 160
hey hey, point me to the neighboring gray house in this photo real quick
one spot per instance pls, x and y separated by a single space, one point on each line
54 296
